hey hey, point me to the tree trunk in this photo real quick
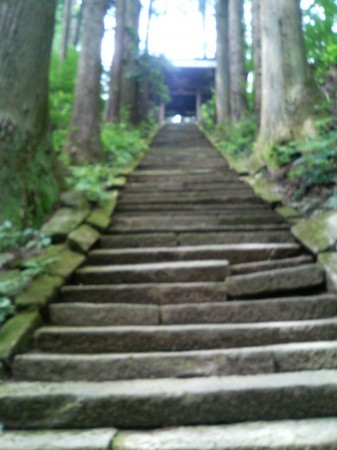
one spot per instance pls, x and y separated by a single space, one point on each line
27 184
76 26
238 97
84 142
129 88
67 13
112 108
257 58
149 17
222 80
289 92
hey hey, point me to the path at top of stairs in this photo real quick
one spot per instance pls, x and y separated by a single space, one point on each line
198 322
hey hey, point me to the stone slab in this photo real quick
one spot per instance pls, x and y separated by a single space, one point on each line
40 292
74 199
101 314
313 434
275 281
318 233
17 333
83 238
329 263
100 439
185 364
138 240
169 402
150 293
63 222
235 253
266 189
181 271
152 338
101 215
260 266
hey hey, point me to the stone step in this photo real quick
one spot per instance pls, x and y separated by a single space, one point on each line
95 439
165 272
122 222
146 293
189 207
165 239
143 404
234 253
199 227
304 277
313 434
178 187
282 309
260 266
125 339
235 198
186 364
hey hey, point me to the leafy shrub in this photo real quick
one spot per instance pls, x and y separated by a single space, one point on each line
12 238
6 309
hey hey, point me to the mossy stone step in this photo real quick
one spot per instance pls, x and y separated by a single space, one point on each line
234 253
179 271
185 364
146 293
129 339
147 404
313 434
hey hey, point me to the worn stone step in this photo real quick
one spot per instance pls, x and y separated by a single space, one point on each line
282 309
234 253
234 198
310 434
200 227
185 364
282 280
260 266
95 439
146 293
178 271
179 186
121 222
120 339
164 239
187 207
169 402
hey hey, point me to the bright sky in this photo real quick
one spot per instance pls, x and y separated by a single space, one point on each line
176 32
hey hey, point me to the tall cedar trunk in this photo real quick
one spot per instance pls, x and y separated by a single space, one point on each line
27 185
129 87
113 104
76 25
222 80
238 98
149 17
84 142
257 58
289 92
67 13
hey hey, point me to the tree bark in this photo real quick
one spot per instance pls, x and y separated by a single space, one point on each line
129 85
222 76
67 16
257 58
84 142
112 108
76 26
27 184
238 97
289 92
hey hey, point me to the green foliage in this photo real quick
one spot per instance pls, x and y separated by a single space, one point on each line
6 309
238 139
122 144
208 114
62 86
12 238
320 35
151 69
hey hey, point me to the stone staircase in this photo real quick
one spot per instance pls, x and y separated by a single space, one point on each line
197 323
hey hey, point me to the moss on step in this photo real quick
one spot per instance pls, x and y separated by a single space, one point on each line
16 334
318 233
12 282
40 292
101 216
83 238
63 222
329 263
74 199
288 213
266 189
